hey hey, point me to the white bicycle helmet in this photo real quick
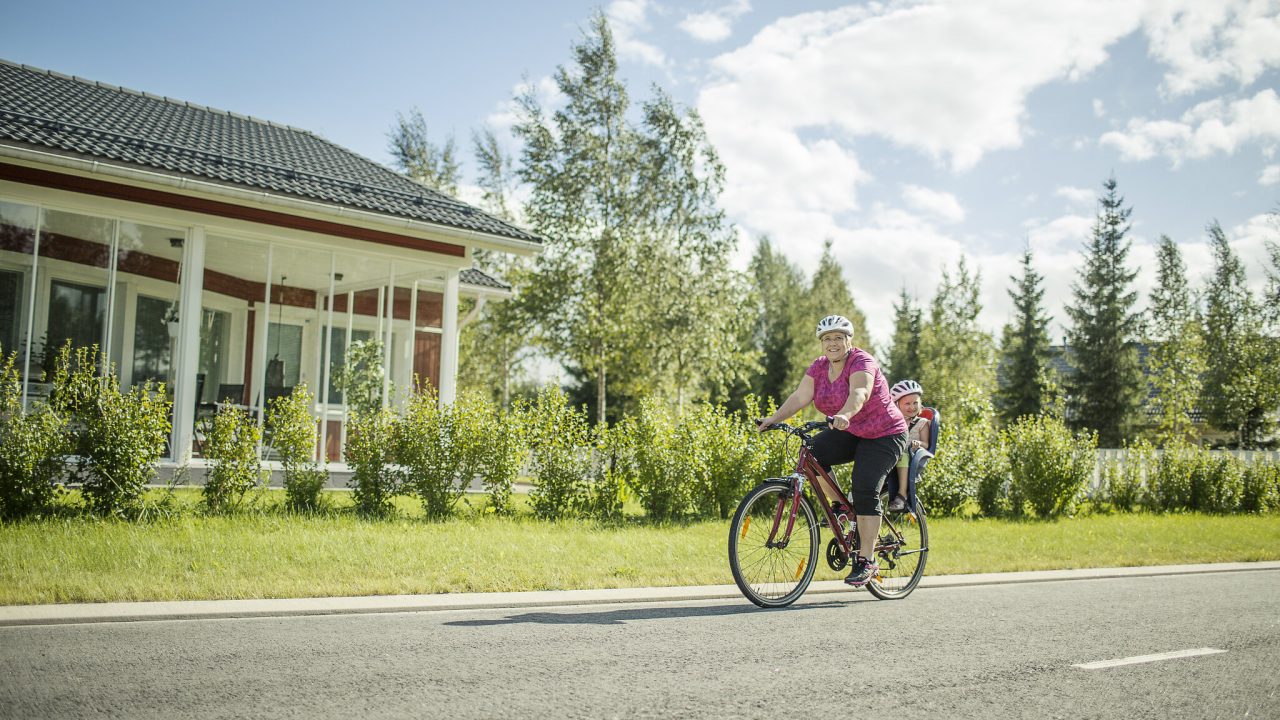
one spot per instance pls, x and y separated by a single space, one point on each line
905 387
835 323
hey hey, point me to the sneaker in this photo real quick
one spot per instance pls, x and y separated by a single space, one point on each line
898 504
863 571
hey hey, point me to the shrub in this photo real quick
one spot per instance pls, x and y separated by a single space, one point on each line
291 431
1261 491
965 454
117 437
504 455
32 444
560 443
993 480
440 448
1049 467
231 447
1120 481
605 492
1169 486
661 474
1218 488
370 453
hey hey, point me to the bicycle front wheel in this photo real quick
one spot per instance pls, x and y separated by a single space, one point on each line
901 552
772 574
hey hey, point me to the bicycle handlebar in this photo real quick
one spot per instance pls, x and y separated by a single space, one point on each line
801 431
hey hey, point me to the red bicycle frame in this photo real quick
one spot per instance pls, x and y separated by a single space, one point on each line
808 468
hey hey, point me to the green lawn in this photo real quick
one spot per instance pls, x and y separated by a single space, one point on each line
267 554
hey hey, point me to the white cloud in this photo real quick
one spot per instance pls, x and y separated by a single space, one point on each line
627 19
715 25
1207 43
1067 231
1270 175
942 205
1099 110
1077 195
1209 128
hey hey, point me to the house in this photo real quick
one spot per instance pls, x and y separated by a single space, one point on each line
230 257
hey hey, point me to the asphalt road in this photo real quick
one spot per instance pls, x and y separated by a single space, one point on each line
990 651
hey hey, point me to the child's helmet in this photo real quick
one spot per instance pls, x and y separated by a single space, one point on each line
835 323
905 387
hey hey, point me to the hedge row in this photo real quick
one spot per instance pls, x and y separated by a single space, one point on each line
1037 466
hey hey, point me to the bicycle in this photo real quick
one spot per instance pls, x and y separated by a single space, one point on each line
774 536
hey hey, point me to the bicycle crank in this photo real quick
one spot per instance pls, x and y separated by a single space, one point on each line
836 557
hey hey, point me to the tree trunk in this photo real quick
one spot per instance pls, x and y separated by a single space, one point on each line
600 385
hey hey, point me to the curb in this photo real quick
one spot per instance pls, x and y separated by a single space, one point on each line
82 613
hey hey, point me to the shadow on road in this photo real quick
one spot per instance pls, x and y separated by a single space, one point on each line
618 617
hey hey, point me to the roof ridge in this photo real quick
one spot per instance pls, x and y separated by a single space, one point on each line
161 98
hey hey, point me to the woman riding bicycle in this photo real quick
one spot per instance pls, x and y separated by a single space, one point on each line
867 428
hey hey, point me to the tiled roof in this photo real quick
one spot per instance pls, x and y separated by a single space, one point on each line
472 276
73 116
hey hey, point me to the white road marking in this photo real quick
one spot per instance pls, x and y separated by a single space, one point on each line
1148 658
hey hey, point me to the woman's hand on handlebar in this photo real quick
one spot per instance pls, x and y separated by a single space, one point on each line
763 424
839 422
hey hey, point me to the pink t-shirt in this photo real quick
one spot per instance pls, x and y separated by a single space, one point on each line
879 417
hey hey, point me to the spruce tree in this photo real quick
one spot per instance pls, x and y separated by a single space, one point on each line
1175 346
1024 382
1240 390
903 359
777 285
1105 390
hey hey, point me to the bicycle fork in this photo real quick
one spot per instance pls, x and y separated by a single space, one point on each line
794 501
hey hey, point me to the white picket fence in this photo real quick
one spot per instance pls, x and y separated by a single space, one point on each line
1106 456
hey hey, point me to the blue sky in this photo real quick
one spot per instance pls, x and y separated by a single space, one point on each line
909 133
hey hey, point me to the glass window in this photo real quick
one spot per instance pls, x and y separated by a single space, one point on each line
76 313
152 342
284 364
338 356
10 309
215 330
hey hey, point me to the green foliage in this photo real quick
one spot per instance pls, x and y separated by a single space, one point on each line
441 448
1177 349
776 284
560 442
1169 487
291 431
662 478
117 437
32 445
1242 373
1105 390
1220 487
360 377
605 492
502 455
956 354
414 154
903 361
1049 466
1025 387
1121 481
1261 491
370 453
231 446
966 454
993 479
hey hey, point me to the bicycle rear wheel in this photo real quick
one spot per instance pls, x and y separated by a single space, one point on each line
772 576
901 552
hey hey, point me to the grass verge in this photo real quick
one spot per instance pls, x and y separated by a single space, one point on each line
263 554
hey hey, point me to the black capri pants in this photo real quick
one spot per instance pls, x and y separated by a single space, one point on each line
872 460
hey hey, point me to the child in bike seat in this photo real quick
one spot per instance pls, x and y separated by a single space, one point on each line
908 396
